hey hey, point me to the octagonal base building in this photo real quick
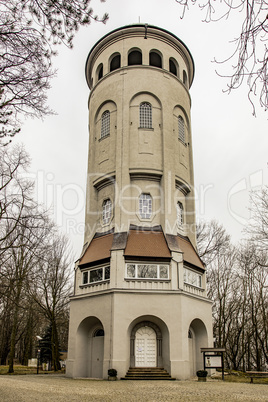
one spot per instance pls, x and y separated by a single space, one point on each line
139 304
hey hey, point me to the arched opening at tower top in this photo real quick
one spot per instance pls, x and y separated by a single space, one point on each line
115 62
155 59
134 58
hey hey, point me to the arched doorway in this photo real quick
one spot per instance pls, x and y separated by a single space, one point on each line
197 338
145 347
89 348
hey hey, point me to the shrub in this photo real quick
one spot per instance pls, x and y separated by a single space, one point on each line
112 373
201 373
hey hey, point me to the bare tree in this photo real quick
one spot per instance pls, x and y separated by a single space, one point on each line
15 192
238 286
254 280
54 289
20 260
250 57
212 239
257 230
29 32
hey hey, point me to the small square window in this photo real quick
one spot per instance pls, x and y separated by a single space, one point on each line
192 278
95 275
107 273
85 278
163 272
130 270
147 271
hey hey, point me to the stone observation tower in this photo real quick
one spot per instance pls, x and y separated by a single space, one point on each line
140 288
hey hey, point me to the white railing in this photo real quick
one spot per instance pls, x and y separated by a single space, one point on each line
194 290
147 284
94 287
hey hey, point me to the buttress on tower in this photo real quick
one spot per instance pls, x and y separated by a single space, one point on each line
140 287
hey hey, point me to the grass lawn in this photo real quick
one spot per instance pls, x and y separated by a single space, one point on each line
240 376
19 370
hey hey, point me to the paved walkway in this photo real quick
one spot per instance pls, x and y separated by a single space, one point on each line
59 388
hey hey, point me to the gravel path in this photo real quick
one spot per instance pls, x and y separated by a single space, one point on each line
59 388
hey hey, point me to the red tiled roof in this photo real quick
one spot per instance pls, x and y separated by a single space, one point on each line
147 244
141 243
99 249
189 253
183 245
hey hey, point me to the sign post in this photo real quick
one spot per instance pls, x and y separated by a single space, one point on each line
213 358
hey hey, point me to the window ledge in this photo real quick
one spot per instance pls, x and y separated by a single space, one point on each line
148 279
182 142
194 286
103 138
146 128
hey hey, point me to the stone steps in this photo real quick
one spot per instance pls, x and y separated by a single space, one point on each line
147 373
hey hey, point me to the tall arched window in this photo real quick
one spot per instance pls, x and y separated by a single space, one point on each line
115 62
145 115
106 211
145 206
155 59
179 213
134 58
105 124
181 128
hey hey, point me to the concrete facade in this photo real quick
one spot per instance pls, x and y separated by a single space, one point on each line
140 287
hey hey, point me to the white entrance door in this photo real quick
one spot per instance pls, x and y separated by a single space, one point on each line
97 357
145 348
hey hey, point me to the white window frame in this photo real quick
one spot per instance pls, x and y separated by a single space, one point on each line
180 214
87 272
181 128
145 115
145 206
137 277
105 124
192 278
107 211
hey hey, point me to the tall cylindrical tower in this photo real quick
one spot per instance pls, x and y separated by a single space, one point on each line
140 290
140 132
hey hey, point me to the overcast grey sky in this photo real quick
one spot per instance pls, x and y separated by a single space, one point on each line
230 145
